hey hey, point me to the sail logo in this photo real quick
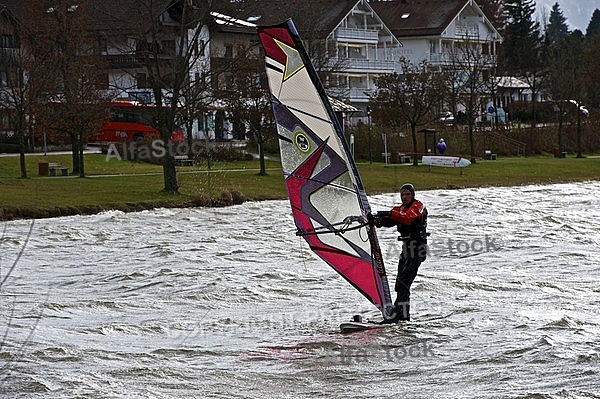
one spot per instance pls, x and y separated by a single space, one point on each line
293 61
302 142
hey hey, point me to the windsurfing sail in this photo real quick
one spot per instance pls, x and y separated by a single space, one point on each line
328 200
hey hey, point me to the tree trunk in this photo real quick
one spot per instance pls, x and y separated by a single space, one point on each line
472 142
81 166
207 141
22 155
170 174
75 152
560 128
413 132
261 157
189 128
579 152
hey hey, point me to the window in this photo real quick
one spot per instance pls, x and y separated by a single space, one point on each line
144 97
241 50
228 51
141 81
5 121
102 81
200 48
168 46
103 46
433 47
8 41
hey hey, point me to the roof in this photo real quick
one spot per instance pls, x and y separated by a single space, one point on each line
424 17
15 6
122 15
510 82
310 16
340 106
14 9
125 16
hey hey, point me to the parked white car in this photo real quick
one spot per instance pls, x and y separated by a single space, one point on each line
584 111
447 117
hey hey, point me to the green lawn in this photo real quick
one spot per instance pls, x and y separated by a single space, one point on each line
506 171
134 185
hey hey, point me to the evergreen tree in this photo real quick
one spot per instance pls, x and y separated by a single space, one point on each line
592 68
494 11
557 28
566 80
522 37
523 46
594 25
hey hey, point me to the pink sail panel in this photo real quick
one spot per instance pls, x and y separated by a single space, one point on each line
358 271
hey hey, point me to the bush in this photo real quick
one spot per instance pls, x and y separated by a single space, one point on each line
201 199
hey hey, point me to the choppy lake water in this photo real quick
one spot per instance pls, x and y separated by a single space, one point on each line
229 303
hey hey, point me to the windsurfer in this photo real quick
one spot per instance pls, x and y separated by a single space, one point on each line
410 218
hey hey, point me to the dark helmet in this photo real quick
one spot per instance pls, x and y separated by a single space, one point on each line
409 187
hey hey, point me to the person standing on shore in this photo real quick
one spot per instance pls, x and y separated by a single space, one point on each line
410 218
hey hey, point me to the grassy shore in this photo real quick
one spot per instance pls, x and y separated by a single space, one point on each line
128 186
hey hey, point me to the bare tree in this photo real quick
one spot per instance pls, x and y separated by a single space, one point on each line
67 73
249 98
469 77
567 61
165 39
411 98
17 91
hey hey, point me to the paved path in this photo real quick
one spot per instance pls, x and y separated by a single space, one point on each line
89 151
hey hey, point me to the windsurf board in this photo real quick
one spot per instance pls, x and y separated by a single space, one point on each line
354 326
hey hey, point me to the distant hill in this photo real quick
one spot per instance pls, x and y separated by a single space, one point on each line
578 13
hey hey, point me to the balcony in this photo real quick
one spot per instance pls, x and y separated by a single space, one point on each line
448 59
362 65
357 35
354 95
467 31
119 61
10 56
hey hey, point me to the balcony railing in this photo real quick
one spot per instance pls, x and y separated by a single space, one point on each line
468 31
116 61
454 59
9 55
352 95
357 34
356 64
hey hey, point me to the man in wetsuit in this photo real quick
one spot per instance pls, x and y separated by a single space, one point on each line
411 220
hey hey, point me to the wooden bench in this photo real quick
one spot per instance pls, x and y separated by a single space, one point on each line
183 160
404 158
54 167
489 155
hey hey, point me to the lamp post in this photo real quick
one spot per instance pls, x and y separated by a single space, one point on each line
385 148
370 133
